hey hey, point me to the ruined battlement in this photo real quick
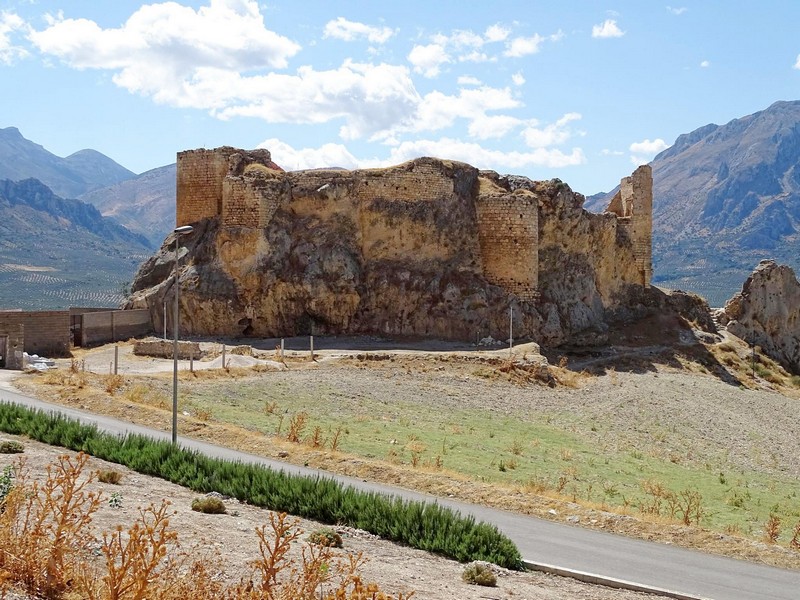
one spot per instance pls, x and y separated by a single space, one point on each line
633 205
430 247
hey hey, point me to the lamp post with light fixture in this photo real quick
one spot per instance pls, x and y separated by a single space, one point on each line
179 231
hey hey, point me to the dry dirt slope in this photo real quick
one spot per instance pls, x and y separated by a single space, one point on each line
395 568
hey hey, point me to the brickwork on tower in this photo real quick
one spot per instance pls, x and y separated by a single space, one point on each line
633 205
508 231
199 185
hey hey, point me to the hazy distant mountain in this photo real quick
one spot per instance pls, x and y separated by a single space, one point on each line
56 253
144 204
68 177
726 197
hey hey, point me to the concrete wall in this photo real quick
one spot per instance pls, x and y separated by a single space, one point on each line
46 333
112 326
13 330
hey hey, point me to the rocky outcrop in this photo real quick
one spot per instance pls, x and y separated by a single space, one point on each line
767 313
429 248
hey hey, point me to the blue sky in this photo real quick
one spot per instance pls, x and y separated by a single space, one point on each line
579 90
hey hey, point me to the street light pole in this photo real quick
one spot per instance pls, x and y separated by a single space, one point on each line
179 231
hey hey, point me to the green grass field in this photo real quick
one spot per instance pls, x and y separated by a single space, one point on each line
576 456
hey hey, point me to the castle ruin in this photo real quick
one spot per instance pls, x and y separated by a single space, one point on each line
427 248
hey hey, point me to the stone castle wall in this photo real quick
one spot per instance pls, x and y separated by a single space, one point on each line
508 231
199 187
633 205
429 247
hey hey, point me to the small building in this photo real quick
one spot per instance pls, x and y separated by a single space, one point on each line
52 333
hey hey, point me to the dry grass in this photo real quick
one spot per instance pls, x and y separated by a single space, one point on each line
429 476
45 551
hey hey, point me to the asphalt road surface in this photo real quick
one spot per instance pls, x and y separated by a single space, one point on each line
658 565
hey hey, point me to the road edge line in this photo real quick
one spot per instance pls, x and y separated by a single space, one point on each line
612 582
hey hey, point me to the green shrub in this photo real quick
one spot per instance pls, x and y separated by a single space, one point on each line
109 476
424 526
478 573
325 536
6 484
209 505
115 501
11 447
795 380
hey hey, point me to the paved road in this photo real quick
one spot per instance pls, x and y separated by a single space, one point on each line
541 541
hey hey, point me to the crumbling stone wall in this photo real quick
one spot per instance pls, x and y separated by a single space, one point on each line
428 248
508 232
633 205
205 188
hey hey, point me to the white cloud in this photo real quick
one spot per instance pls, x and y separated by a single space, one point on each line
469 80
220 58
797 62
648 147
328 155
462 45
475 56
461 38
438 110
10 23
337 155
523 46
609 152
607 29
428 59
163 47
496 33
677 11
485 127
370 98
551 135
483 157
705 64
342 29
644 151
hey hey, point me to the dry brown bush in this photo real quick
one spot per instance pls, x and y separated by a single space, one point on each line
297 425
772 529
46 550
43 527
113 383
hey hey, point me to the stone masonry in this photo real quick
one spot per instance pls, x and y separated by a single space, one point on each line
232 183
430 248
633 205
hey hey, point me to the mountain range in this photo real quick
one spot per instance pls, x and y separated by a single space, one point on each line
725 197
68 177
144 204
56 253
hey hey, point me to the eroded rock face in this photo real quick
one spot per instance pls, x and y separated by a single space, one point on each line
767 312
429 248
